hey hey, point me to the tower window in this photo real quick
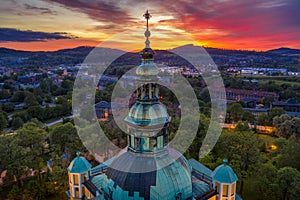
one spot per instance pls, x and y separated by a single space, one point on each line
145 143
160 142
137 144
75 178
77 192
83 177
225 190
153 144
131 141
232 189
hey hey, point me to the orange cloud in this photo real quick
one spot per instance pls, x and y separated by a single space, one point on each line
50 45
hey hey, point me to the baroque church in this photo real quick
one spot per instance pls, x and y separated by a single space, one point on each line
148 169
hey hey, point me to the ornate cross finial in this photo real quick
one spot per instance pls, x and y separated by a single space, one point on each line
147 32
147 17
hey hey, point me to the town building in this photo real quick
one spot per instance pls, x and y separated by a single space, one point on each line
257 112
103 111
291 106
240 94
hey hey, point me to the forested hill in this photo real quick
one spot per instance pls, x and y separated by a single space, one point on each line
286 51
272 58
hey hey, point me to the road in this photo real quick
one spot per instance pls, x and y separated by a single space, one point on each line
58 121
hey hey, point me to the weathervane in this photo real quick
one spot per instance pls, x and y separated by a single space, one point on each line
147 32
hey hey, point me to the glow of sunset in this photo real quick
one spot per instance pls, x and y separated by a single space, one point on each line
229 24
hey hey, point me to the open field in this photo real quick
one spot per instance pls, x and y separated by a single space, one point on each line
277 79
279 82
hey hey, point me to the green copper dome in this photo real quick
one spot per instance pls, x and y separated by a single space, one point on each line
224 174
79 165
156 182
147 69
147 114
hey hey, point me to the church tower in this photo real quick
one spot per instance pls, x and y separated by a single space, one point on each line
149 169
148 119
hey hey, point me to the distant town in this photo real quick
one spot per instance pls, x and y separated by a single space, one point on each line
263 111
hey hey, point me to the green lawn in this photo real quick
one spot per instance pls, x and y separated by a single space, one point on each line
279 82
266 79
268 139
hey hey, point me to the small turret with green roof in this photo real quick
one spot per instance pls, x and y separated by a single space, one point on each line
225 180
78 171
79 164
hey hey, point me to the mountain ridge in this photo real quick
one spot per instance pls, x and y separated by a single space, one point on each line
277 50
222 57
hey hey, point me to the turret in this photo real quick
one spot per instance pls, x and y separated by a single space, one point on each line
78 172
225 180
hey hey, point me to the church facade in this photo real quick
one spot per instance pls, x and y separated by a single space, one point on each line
148 169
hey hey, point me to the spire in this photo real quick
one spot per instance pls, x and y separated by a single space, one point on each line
147 32
147 52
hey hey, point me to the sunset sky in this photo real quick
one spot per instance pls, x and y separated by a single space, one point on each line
231 24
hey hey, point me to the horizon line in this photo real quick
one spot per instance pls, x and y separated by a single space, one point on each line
159 49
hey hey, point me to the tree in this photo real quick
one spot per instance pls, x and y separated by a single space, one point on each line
14 158
242 126
67 84
17 122
287 126
3 121
30 100
33 137
44 86
267 101
23 115
4 94
15 193
204 95
57 180
241 149
8 107
64 138
288 177
290 154
48 98
34 191
248 116
263 119
265 182
36 112
18 96
235 111
275 112
278 120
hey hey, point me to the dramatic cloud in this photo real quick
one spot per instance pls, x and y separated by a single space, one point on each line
108 11
41 10
15 35
238 24
231 22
